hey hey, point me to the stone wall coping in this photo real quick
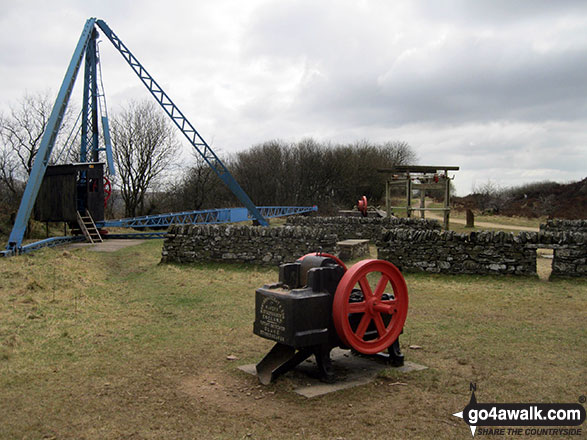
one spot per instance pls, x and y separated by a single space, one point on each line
244 230
362 220
555 225
542 239
352 242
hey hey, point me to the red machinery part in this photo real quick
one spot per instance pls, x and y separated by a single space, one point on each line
375 311
323 254
107 190
362 206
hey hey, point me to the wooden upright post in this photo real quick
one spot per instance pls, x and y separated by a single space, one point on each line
470 219
422 203
409 196
446 200
387 199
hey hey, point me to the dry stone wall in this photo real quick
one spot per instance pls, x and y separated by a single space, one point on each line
482 252
570 255
449 252
557 225
244 244
413 250
362 227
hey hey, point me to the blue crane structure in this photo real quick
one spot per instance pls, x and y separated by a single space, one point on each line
93 104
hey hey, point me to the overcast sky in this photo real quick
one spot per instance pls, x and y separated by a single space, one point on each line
496 87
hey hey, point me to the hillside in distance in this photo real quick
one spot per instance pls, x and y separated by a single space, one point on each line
550 199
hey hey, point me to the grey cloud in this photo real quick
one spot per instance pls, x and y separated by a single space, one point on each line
504 12
476 83
442 75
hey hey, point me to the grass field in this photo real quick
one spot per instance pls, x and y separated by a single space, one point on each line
117 346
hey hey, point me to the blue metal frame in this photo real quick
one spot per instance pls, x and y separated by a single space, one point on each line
209 216
48 141
87 46
48 242
108 146
182 123
101 98
89 138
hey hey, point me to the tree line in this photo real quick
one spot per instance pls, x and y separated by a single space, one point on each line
149 180
302 173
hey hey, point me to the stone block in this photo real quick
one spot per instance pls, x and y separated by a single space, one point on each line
353 248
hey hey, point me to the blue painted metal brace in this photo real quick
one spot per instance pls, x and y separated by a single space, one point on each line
101 98
48 242
182 123
89 138
209 216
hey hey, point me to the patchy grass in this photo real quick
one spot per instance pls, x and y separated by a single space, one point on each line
111 346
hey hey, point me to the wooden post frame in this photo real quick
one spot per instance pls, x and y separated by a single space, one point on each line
421 177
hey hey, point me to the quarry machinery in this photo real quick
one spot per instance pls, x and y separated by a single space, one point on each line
74 187
318 304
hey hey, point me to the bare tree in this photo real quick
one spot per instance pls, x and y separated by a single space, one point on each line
144 147
195 188
9 171
10 185
21 131
399 153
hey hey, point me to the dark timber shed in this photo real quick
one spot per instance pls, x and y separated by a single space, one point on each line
70 188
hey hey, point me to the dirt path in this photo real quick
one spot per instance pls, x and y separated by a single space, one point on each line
483 224
107 245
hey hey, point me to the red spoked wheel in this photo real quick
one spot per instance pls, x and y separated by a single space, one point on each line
107 190
324 254
362 206
370 320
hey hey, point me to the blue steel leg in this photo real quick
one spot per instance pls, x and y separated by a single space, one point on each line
108 146
48 141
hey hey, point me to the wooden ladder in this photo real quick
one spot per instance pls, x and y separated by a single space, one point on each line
88 227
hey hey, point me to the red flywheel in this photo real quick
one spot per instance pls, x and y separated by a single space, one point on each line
366 319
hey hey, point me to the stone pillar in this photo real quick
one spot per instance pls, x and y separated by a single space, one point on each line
470 219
